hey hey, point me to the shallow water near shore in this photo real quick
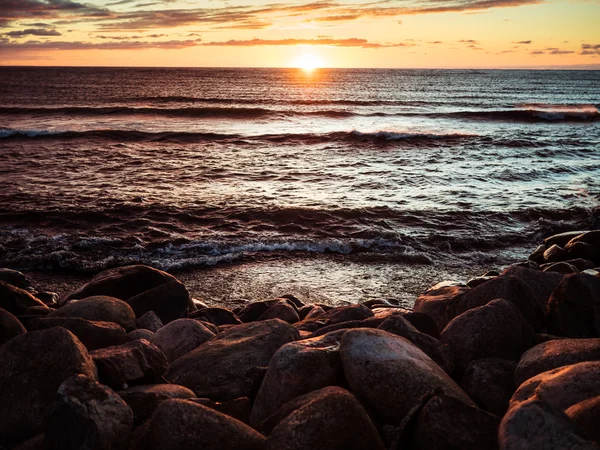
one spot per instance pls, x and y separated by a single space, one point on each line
336 185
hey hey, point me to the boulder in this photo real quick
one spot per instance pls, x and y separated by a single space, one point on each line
585 416
180 337
281 310
144 399
581 264
562 268
87 414
224 367
331 420
139 334
149 321
542 284
555 253
186 425
447 423
585 251
574 307
101 309
216 316
15 278
589 237
16 301
556 353
490 383
169 301
137 362
346 313
253 311
562 239
440 302
34 443
238 408
48 298
314 312
295 369
92 334
537 255
371 322
494 330
9 326
34 365
474 282
389 374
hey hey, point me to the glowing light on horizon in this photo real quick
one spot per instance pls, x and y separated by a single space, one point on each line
308 62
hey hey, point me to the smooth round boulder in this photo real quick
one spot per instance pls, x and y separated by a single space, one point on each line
10 326
555 253
140 333
180 337
440 302
17 301
100 308
542 284
149 321
216 316
253 311
281 310
169 301
34 365
585 415
15 278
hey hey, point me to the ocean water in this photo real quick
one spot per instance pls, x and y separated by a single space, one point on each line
336 184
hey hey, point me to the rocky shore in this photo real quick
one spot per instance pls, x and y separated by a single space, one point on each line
129 360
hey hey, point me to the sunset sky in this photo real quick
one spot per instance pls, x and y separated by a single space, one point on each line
342 33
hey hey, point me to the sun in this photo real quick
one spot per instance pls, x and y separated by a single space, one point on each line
308 62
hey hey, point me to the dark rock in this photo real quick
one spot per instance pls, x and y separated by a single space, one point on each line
494 330
87 414
474 282
585 416
169 301
556 353
149 321
490 383
562 239
440 302
253 311
35 443
528 265
34 365
331 420
581 264
16 301
560 267
222 368
574 307
139 362
346 313
538 338
100 309
589 237
15 278
186 425
216 316
296 369
585 251
238 408
294 300
390 374
371 322
139 334
315 312
9 326
281 310
538 254
555 253
447 423
144 399
92 334
180 337
48 298
542 284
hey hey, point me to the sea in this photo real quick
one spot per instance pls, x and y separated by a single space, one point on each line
334 185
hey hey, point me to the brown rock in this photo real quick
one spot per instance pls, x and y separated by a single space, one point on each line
585 251
440 302
585 416
169 301
180 337
555 253
253 311
589 237
9 326
490 383
149 321
238 408
216 316
139 334
542 284
281 310
16 301
562 239
144 399
100 309
15 278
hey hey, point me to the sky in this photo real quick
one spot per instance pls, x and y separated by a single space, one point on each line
263 33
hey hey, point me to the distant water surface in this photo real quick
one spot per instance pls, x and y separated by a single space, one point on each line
335 184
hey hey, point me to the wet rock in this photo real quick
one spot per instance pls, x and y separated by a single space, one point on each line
574 307
224 368
581 264
447 423
331 420
585 416
389 374
556 353
589 237
281 310
92 334
238 408
34 365
149 321
216 316
87 414
136 362
474 282
100 309
562 239
585 251
534 424
440 302
555 253
15 278
560 267
16 301
169 301
494 330
538 254
9 326
186 425
180 337
490 383
144 399
542 284
296 369
398 325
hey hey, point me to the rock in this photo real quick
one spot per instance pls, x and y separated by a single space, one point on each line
589 237
371 322
34 365
296 369
253 311
585 417
16 301
223 368
562 239
585 251
100 309
149 321
87 414
180 337
447 423
134 362
538 338
169 301
15 278
574 307
490 383
47 298
440 302
314 313
216 316
581 264
555 253
144 399
542 284
511 289
535 425
556 353
9 326
332 420
92 334
494 330
421 321
432 347
537 255
281 310
139 334
295 301
346 313
560 267
35 443
185 425
389 374
474 282
238 408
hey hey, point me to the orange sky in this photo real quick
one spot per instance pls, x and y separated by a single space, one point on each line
244 33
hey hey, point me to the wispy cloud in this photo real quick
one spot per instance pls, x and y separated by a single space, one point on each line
590 49
351 42
33 32
78 45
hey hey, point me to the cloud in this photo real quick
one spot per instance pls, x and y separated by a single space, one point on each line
32 32
551 51
469 41
590 49
11 10
78 45
351 42
522 42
